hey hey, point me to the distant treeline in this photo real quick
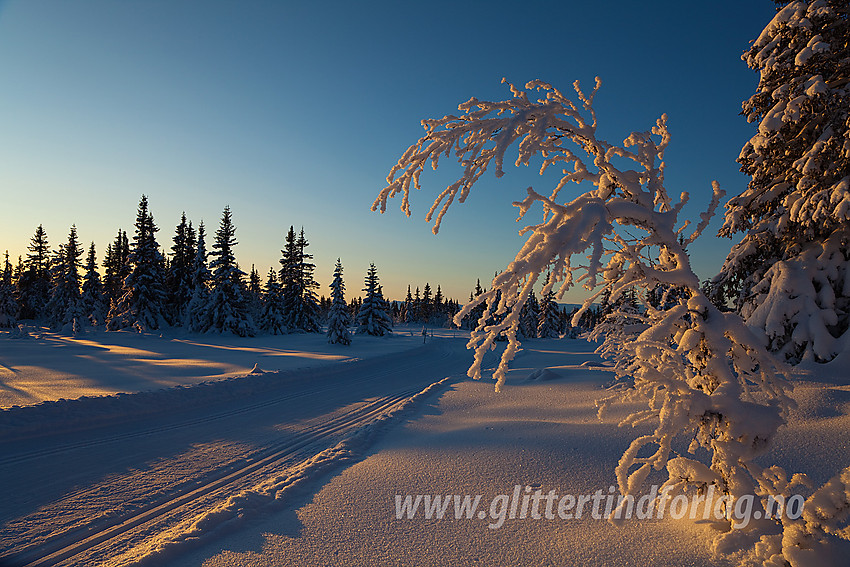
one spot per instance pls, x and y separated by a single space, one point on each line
144 288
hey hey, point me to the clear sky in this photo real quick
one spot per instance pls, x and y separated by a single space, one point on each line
292 113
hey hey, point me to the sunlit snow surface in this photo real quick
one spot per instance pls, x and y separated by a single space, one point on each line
50 366
542 432
463 438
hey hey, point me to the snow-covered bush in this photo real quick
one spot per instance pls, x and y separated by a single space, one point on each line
703 373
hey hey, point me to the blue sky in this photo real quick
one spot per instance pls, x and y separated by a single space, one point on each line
292 113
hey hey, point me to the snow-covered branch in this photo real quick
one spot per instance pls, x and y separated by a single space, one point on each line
702 372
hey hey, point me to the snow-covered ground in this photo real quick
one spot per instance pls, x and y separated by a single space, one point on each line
303 467
541 432
50 366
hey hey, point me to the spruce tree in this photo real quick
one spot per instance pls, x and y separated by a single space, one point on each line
34 283
373 318
438 309
471 320
142 302
8 302
417 307
408 307
272 317
529 317
197 318
310 302
178 281
324 307
426 308
65 307
92 298
228 307
395 311
354 307
116 264
296 279
789 275
548 319
338 318
290 281
255 293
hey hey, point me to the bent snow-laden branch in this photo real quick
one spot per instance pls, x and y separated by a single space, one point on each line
702 372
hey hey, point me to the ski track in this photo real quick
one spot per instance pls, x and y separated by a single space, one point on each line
160 521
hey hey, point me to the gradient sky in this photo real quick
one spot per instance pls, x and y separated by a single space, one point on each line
292 113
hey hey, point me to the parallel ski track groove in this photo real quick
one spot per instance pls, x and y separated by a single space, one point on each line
55 552
13 459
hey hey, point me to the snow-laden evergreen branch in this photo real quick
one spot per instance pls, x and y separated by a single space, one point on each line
789 275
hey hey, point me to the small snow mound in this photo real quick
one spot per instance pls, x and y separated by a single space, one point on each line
257 369
542 375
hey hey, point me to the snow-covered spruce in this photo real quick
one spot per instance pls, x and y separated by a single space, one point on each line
272 319
142 300
789 276
407 311
529 318
197 318
116 264
472 317
178 280
373 317
228 309
300 304
8 302
34 282
703 373
254 293
548 318
309 321
338 317
92 297
64 309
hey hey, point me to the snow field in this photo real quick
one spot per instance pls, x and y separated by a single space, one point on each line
135 490
286 468
50 366
541 431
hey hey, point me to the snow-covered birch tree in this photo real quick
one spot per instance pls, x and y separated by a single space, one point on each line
704 375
